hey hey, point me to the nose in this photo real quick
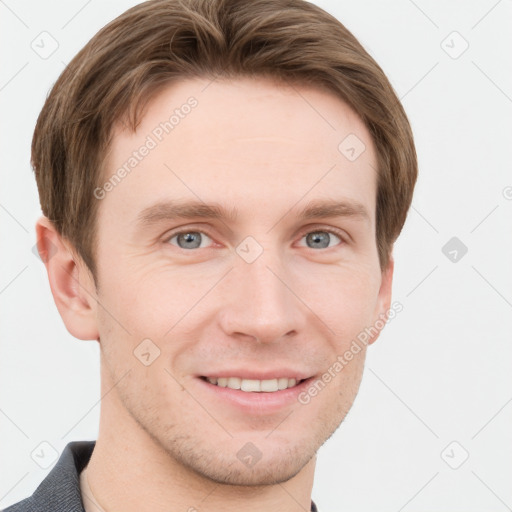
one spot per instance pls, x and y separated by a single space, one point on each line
260 302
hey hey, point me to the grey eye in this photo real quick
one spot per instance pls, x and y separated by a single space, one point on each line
320 239
189 239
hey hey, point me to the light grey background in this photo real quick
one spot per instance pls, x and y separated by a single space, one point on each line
437 385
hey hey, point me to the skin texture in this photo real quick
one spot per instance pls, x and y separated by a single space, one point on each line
164 443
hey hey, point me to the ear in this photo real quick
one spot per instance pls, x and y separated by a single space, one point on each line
70 280
383 301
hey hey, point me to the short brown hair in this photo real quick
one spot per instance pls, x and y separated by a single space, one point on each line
154 43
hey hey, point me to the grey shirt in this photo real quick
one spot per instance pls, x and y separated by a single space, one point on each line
60 490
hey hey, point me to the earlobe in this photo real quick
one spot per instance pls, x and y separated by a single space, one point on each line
383 300
70 281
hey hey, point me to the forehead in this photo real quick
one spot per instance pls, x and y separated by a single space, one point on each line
247 143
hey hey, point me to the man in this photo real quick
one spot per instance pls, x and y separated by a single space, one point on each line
222 183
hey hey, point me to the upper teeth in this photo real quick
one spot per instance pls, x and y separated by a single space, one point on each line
252 385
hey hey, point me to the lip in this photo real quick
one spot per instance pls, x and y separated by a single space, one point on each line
259 375
252 403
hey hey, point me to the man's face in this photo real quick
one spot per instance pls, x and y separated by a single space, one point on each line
262 293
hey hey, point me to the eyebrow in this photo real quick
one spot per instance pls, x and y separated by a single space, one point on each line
178 209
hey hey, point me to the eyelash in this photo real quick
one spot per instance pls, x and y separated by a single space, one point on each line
332 231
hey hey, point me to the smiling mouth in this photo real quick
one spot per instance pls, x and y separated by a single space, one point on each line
254 385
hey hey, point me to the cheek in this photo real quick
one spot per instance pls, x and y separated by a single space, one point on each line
144 309
344 298
143 300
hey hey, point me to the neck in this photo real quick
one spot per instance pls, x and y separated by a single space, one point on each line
130 471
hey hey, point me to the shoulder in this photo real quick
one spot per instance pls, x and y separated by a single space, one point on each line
60 490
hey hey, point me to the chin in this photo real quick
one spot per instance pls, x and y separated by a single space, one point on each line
269 470
225 462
